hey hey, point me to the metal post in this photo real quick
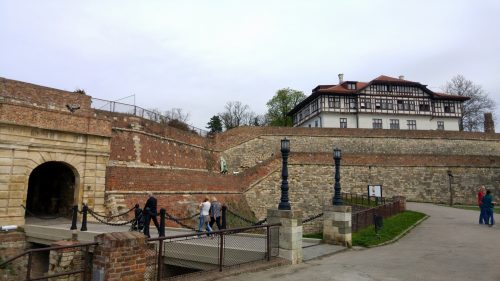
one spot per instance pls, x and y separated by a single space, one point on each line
268 243
223 218
86 262
28 270
147 218
450 177
221 250
337 199
162 222
74 217
84 218
285 149
160 259
137 213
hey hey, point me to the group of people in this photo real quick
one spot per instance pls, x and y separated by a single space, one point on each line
210 214
486 204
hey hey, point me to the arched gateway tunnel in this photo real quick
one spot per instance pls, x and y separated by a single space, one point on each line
51 189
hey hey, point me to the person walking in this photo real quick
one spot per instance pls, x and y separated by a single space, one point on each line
215 213
204 215
151 204
480 195
488 205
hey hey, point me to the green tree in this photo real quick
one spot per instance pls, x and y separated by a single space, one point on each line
473 109
282 102
215 124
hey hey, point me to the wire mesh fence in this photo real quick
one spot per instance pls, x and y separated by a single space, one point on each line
70 262
113 106
174 256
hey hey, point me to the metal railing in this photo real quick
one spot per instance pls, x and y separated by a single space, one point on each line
363 199
366 217
68 260
210 251
113 106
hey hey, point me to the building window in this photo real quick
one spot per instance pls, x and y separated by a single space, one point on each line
440 125
395 124
343 122
306 111
365 103
377 123
316 123
314 106
400 105
334 102
352 103
412 124
449 107
300 116
351 86
377 104
424 106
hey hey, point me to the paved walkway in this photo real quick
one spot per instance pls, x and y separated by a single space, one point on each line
450 245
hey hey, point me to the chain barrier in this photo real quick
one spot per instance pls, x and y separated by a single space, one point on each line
247 220
92 213
114 216
43 217
312 218
174 219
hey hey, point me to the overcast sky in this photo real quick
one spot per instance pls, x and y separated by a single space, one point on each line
198 55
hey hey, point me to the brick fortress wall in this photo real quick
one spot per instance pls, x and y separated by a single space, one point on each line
183 167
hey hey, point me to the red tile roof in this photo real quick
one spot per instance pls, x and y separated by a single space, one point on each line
341 89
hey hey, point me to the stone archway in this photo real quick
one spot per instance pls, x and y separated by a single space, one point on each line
52 189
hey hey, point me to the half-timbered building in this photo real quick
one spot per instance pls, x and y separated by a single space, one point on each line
383 103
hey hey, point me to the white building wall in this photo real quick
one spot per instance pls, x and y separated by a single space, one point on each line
332 120
423 122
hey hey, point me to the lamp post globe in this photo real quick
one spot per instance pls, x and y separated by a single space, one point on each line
285 150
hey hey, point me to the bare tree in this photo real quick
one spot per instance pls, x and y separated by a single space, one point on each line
474 108
236 114
177 114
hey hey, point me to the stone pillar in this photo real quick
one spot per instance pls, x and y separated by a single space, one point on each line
489 124
120 256
66 260
290 233
337 225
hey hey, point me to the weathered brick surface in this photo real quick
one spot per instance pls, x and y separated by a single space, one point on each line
12 243
121 256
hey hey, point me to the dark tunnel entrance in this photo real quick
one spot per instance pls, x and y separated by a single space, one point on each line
51 189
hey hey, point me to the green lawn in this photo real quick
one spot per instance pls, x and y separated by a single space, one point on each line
393 227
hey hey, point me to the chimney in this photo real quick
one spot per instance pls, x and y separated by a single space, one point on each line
401 77
341 78
489 125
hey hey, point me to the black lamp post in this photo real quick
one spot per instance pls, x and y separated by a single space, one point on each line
337 198
285 149
450 178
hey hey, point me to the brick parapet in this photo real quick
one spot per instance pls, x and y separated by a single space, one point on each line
51 119
42 97
120 256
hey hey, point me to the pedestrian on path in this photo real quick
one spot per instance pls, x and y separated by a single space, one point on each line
151 204
488 205
204 215
215 213
480 196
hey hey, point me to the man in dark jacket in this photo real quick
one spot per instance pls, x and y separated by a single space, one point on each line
151 204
